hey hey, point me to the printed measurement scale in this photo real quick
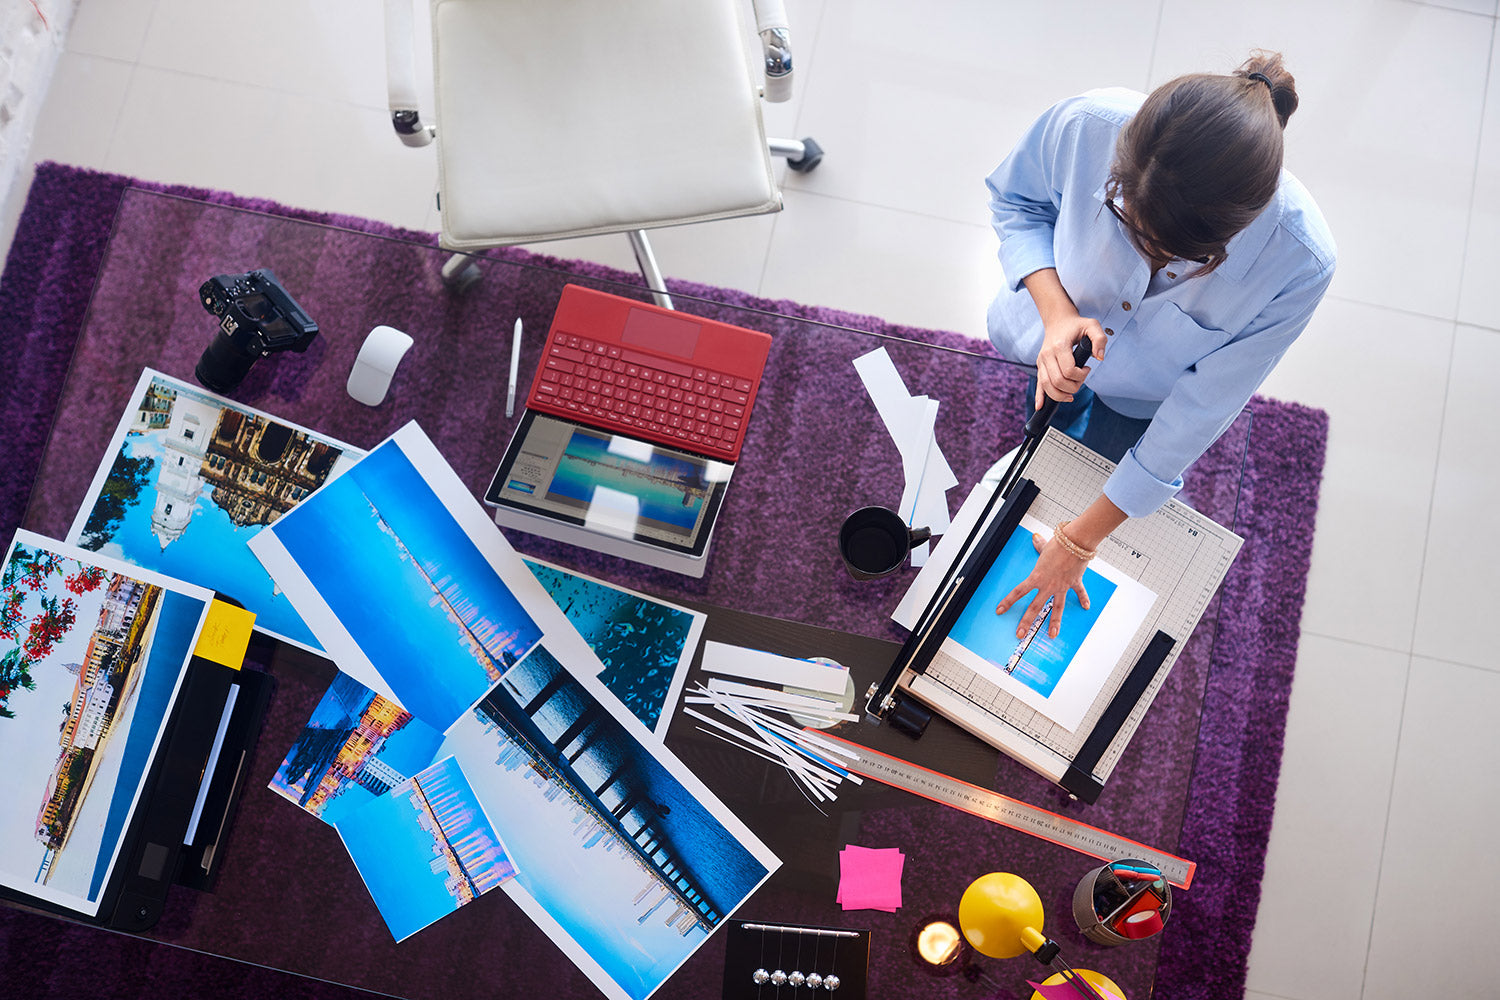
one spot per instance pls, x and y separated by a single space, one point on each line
1006 811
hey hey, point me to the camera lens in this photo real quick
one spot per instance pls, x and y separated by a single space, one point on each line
223 365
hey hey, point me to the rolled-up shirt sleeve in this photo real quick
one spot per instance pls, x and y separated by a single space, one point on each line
1025 193
1208 398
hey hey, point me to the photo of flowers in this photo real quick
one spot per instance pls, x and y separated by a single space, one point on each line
425 849
92 654
189 478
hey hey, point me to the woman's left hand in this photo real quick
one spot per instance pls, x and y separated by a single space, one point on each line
1057 571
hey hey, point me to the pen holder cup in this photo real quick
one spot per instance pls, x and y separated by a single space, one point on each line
1119 902
874 542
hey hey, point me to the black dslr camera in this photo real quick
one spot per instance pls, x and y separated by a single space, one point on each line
257 318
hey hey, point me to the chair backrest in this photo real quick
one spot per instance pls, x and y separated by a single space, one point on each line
578 117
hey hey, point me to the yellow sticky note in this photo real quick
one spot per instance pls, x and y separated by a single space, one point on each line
225 635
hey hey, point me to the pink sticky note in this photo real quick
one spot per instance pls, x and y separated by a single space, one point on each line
1065 991
870 879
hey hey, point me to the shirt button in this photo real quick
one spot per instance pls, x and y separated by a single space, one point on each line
1126 305
1171 274
1108 332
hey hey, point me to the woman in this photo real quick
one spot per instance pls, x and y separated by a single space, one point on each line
1164 229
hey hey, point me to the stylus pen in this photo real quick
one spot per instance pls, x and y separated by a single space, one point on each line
515 369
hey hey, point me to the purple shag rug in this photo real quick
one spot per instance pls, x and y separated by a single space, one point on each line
1244 678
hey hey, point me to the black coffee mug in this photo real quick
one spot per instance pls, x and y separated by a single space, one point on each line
874 542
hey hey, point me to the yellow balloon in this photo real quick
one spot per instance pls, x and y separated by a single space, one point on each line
995 910
1097 980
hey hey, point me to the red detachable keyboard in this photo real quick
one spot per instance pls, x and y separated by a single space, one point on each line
651 373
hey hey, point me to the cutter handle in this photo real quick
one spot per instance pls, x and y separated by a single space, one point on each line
1036 424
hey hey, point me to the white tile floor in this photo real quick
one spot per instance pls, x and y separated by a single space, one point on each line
1379 880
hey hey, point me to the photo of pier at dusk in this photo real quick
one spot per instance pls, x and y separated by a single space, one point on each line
611 839
356 746
90 661
405 582
425 848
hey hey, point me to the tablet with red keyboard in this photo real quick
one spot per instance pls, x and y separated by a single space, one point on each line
651 373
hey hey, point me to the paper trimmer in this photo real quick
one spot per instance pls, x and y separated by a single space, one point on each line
1178 553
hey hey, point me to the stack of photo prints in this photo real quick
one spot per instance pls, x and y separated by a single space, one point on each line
496 722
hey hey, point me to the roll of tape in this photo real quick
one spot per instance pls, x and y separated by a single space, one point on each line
1136 926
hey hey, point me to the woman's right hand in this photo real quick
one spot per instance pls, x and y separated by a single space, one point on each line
1057 376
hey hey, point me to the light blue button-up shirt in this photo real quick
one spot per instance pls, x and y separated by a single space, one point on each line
1187 352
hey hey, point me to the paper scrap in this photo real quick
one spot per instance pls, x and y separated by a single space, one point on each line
870 878
769 668
910 420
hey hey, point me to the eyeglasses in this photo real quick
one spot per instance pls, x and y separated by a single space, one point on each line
1154 249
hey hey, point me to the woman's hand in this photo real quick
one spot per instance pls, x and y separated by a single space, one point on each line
1062 328
1056 374
1057 571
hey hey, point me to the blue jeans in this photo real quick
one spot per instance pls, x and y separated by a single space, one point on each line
1089 421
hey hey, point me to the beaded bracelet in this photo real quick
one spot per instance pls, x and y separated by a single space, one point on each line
1076 550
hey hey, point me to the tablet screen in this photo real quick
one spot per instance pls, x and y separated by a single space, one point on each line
616 485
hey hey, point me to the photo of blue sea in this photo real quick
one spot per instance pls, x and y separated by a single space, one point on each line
1045 659
661 485
425 849
640 641
409 585
211 552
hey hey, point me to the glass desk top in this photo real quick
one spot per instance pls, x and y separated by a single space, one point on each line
288 897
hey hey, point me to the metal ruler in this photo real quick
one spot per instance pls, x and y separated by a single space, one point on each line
1006 811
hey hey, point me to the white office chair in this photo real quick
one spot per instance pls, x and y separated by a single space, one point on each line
565 118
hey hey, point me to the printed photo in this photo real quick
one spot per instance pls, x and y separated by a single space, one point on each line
1058 676
189 478
395 589
92 653
646 645
425 848
356 746
624 857
1037 659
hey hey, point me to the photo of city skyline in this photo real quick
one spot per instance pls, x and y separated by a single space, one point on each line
91 658
617 844
425 848
189 478
356 746
393 580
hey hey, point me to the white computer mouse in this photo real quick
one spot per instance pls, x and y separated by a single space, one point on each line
381 352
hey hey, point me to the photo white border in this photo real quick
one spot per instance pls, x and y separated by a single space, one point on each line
30 539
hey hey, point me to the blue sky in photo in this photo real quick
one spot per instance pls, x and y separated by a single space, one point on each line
394 854
212 551
385 602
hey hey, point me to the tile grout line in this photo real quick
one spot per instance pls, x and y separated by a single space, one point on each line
1385 833
1489 74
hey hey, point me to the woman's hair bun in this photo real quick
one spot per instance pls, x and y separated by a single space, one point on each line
1283 85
